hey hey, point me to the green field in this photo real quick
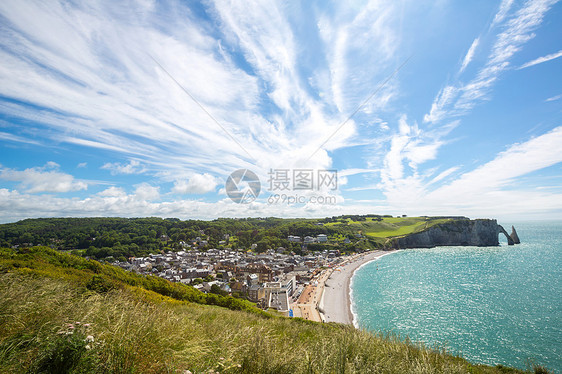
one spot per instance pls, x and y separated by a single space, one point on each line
388 227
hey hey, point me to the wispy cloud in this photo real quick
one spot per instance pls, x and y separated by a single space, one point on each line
491 180
554 98
540 60
519 159
96 86
457 99
503 10
402 179
16 138
444 174
80 76
518 31
487 189
470 54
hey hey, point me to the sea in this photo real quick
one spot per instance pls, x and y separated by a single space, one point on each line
490 305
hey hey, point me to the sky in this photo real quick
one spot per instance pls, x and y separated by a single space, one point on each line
145 108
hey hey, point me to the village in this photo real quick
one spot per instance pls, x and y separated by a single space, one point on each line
273 279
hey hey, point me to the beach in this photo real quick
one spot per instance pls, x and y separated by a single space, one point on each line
335 303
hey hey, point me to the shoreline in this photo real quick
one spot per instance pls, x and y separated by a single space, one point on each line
335 304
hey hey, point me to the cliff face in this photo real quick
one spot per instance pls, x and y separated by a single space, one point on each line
461 232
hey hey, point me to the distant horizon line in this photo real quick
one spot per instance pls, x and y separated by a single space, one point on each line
534 219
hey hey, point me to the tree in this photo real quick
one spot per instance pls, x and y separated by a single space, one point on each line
217 290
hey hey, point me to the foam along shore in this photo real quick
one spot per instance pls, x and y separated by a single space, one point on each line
335 305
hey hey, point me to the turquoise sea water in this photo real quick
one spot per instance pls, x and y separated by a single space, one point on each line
493 305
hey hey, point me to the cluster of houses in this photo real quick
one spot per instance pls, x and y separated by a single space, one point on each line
271 279
321 238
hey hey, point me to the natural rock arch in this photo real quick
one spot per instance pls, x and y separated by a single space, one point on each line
510 240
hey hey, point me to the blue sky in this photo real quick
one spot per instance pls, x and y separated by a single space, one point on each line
144 108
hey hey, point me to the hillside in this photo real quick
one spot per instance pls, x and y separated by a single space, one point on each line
120 238
60 313
380 229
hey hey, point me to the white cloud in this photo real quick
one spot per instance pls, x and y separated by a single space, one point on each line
197 184
133 167
144 191
411 146
82 165
554 98
15 205
43 179
113 192
540 60
470 54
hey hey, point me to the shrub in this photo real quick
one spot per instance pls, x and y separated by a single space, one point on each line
100 284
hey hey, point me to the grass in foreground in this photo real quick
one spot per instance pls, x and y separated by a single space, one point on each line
127 335
53 325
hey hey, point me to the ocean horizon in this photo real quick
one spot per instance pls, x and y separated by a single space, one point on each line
490 305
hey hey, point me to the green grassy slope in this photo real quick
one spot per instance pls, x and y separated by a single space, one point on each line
94 276
388 227
47 299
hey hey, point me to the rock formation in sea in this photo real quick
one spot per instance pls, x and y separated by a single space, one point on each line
457 232
514 236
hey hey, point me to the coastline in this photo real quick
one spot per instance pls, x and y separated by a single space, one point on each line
335 304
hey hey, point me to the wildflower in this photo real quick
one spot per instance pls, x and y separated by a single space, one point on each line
76 323
89 339
88 347
86 325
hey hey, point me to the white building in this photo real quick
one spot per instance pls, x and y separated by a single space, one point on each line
294 239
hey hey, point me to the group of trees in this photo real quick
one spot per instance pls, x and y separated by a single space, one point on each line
120 238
